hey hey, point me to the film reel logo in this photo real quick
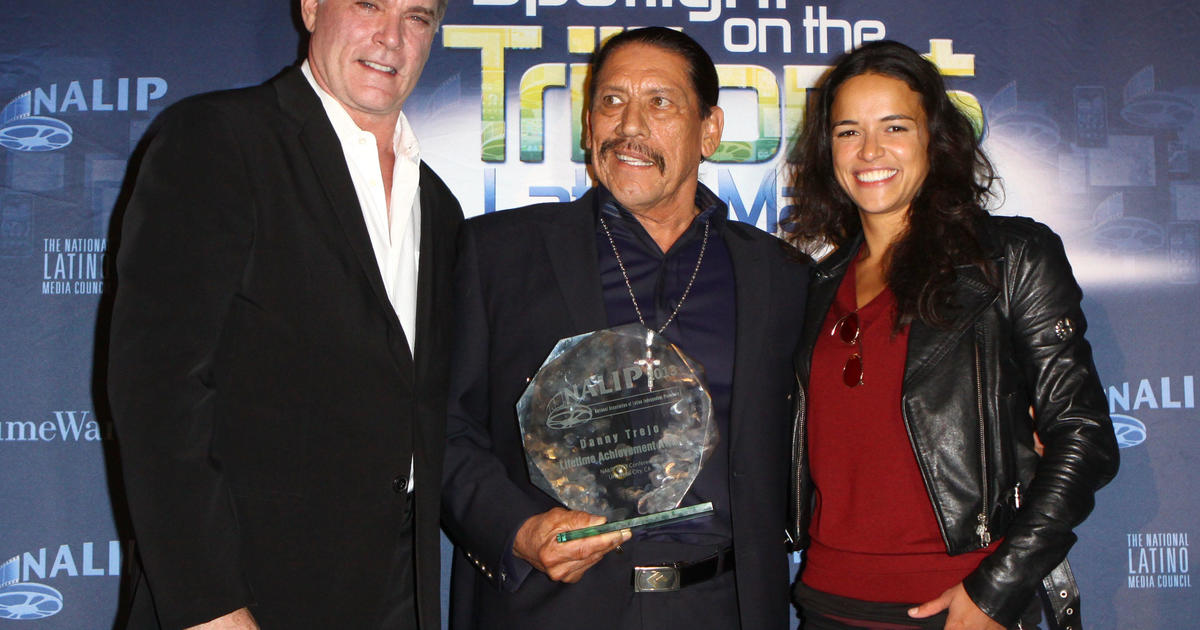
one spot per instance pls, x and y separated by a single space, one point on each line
25 601
1129 430
21 131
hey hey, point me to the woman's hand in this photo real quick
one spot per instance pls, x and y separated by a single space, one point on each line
963 613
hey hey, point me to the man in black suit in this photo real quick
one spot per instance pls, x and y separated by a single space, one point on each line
649 244
278 356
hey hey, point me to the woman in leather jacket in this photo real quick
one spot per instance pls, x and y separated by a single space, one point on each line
951 430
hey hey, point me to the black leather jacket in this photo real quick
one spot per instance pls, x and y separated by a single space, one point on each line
967 392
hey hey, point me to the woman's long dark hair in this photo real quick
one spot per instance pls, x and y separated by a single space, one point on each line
942 229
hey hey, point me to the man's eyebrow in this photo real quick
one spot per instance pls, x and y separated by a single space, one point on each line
423 10
664 89
611 87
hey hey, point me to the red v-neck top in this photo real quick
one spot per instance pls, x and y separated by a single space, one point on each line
874 533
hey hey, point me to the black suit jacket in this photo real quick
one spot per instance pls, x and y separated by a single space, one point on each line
529 277
264 394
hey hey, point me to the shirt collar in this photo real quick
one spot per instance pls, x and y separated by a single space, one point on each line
712 208
404 141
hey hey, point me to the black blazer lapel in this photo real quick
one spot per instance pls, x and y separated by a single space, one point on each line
570 239
431 247
324 153
753 281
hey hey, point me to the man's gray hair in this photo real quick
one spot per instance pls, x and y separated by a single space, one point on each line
438 14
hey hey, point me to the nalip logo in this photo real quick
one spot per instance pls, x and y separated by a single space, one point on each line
1165 394
1129 430
24 597
25 125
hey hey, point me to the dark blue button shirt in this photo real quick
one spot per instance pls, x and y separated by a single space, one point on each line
703 328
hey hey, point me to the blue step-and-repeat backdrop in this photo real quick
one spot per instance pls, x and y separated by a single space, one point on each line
1092 114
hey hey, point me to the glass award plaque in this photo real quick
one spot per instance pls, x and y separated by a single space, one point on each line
618 422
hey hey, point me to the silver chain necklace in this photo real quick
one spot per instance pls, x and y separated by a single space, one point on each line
629 285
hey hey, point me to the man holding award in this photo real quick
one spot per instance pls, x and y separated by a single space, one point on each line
625 357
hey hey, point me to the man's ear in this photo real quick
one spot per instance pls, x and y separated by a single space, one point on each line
710 131
308 13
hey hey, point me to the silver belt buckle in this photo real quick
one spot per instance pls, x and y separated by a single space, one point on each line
657 579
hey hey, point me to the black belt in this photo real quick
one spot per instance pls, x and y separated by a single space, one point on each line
670 577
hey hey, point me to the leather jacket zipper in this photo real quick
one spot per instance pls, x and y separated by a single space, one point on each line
798 435
981 530
1017 506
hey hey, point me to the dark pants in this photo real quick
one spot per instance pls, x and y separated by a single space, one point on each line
818 610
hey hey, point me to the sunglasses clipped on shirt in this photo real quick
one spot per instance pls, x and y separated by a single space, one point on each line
846 329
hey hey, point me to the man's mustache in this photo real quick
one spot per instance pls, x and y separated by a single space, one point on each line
651 154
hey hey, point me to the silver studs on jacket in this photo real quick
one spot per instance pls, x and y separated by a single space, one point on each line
1064 328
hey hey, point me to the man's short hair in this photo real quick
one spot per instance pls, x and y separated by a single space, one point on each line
440 12
700 66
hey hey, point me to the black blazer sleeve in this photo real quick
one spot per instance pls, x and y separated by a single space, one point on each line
482 508
185 239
